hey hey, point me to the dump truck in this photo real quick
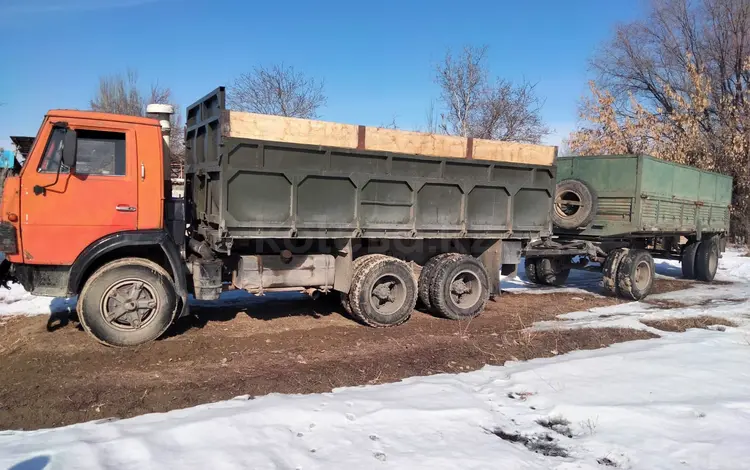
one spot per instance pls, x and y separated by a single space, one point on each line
615 213
377 218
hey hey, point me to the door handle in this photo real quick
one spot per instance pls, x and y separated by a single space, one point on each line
124 208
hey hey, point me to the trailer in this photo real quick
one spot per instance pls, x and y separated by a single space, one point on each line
377 218
616 213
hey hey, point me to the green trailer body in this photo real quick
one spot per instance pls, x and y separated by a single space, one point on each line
639 195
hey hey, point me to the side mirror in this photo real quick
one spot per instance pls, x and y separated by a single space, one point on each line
70 146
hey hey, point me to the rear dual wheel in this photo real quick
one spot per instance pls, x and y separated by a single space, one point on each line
700 260
454 286
383 291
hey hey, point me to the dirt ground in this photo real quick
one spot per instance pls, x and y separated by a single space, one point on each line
680 325
53 374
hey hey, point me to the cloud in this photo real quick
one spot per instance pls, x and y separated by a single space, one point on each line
51 6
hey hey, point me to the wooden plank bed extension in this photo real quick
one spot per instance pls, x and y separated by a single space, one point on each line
323 133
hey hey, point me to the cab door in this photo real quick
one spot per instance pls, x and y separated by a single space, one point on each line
62 214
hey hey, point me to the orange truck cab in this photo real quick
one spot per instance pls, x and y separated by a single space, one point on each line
92 190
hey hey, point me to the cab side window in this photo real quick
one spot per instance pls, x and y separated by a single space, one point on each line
98 153
53 153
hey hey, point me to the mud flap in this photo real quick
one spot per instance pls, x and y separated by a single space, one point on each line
5 276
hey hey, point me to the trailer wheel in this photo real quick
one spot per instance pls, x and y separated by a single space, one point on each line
635 275
428 275
355 266
529 265
707 260
689 256
384 292
127 302
460 288
575 204
609 270
550 271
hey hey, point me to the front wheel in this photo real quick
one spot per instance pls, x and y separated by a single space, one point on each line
707 259
689 256
635 274
529 265
127 302
552 271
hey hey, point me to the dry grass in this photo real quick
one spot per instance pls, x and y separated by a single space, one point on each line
679 325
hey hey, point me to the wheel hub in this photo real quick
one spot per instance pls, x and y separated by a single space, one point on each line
642 275
459 287
388 294
129 304
384 292
465 289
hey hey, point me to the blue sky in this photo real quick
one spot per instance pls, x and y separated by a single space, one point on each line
377 58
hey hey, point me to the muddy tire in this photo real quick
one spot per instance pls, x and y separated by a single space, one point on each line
127 302
609 270
689 256
575 204
529 265
460 288
355 266
428 275
707 260
383 292
635 275
549 271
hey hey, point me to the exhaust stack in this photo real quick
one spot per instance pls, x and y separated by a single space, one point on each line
162 112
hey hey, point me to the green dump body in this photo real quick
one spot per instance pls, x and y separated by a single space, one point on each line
644 196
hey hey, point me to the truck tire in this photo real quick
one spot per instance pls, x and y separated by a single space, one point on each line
460 289
689 255
529 265
550 272
610 268
707 260
428 275
127 302
635 275
384 292
355 266
575 204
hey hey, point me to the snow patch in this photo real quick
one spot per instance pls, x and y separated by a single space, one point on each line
679 401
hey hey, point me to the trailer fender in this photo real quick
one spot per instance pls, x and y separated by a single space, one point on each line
123 240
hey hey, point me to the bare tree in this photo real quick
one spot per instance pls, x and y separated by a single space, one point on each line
475 106
121 94
676 84
431 117
279 90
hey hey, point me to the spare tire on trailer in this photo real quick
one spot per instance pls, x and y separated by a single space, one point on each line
575 204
